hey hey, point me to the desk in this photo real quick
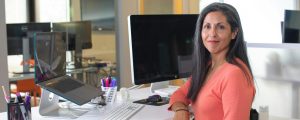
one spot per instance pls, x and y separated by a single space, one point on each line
16 77
146 113
88 75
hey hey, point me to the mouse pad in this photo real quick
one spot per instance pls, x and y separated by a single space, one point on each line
164 101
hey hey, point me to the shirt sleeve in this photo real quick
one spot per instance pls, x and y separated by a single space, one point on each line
237 95
180 95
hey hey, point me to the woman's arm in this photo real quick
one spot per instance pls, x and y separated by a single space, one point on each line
237 95
180 95
179 102
181 111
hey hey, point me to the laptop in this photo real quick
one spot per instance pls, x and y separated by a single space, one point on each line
50 69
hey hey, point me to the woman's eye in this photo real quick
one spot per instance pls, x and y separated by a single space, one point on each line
206 26
221 27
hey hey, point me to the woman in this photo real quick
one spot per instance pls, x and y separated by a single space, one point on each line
221 86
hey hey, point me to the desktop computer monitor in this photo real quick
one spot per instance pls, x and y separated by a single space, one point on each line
18 31
291 26
78 36
161 47
77 30
20 40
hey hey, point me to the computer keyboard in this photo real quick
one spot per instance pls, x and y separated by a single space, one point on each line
124 111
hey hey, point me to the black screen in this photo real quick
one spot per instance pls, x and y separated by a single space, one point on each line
291 26
16 33
161 46
80 30
50 56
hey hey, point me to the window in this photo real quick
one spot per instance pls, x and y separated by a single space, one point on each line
52 10
16 11
261 19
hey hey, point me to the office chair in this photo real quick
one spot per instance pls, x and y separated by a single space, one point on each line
28 85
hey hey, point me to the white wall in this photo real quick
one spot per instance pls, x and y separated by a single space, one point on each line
261 19
3 56
276 74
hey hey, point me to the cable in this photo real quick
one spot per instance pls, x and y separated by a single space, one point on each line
135 87
139 86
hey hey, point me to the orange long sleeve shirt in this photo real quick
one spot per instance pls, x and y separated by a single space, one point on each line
227 95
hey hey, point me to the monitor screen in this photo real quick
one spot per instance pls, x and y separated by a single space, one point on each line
79 30
291 27
50 56
161 47
17 32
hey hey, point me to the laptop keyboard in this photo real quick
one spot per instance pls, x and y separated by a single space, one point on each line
66 85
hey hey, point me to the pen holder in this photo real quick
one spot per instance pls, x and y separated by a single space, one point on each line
105 89
18 111
110 93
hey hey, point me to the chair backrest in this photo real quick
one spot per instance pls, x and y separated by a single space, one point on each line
253 114
25 85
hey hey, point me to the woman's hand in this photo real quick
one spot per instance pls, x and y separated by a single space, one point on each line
181 115
181 111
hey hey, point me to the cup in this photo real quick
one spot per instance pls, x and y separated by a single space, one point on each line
18 111
263 112
124 94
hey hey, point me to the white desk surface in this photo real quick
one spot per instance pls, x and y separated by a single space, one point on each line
146 113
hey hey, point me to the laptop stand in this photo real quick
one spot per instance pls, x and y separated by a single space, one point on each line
49 107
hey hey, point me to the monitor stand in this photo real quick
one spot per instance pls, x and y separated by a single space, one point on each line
26 54
49 107
163 88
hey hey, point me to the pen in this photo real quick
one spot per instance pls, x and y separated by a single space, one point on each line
23 111
7 98
19 98
113 83
103 83
27 105
107 82
27 101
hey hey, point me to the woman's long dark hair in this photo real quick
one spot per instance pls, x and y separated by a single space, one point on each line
201 56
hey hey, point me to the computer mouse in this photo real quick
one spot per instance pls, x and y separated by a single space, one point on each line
154 98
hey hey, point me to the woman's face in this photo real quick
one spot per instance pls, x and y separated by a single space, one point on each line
216 33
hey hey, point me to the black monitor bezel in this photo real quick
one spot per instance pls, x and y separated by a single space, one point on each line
158 78
290 32
17 31
82 28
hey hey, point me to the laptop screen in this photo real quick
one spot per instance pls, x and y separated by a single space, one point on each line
50 56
